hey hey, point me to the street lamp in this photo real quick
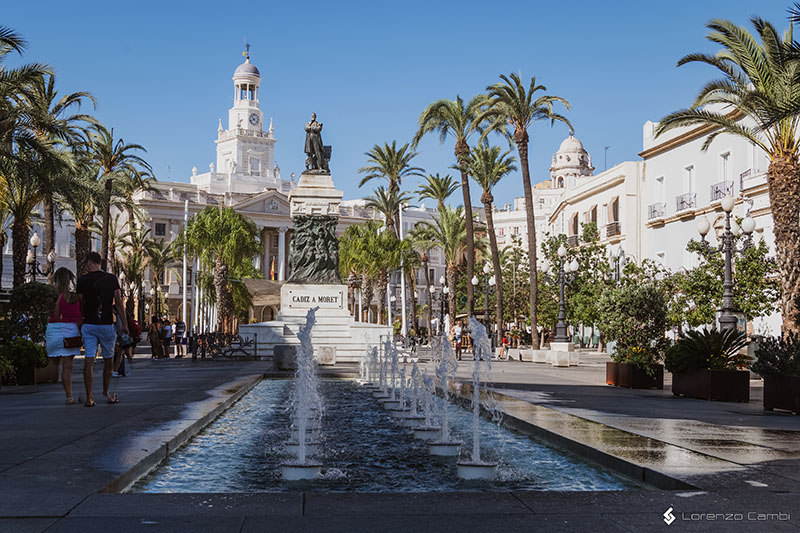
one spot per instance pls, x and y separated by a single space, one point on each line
564 271
32 260
445 290
486 270
153 293
727 319
431 290
616 256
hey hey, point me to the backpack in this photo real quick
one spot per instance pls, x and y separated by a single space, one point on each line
135 329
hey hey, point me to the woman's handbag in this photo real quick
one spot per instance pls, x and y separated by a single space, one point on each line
73 342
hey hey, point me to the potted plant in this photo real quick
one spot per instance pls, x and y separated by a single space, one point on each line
25 356
6 369
778 362
634 316
706 364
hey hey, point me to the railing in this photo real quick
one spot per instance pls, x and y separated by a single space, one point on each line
743 176
572 240
226 345
613 228
721 190
685 201
657 210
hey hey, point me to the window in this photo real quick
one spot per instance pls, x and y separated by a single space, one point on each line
593 215
255 164
725 166
250 93
516 230
613 211
71 245
501 231
431 274
242 93
573 227
161 229
688 179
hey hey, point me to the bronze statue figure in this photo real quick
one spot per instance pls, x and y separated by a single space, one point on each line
314 251
314 148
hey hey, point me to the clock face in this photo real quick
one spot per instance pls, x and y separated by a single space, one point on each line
253 119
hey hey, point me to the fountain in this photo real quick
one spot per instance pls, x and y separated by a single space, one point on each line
427 431
482 350
382 393
391 402
446 368
306 407
412 418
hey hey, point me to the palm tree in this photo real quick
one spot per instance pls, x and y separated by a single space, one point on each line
410 264
421 243
49 121
388 203
761 99
116 159
117 232
437 188
460 120
357 260
160 256
20 198
5 225
386 253
448 231
81 199
487 166
224 241
511 110
131 181
390 163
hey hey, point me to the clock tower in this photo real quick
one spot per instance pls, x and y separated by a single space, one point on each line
245 149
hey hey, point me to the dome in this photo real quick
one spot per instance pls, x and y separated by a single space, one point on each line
571 144
246 69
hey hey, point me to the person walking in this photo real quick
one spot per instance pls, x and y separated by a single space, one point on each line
457 332
63 334
180 332
166 335
154 336
100 297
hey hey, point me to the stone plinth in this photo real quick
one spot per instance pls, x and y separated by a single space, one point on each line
315 195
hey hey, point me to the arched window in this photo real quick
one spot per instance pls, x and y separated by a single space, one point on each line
560 182
573 225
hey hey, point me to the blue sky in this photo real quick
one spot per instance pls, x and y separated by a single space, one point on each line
161 71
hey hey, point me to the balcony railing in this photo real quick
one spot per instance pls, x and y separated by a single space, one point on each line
572 240
685 201
743 176
721 190
657 210
612 229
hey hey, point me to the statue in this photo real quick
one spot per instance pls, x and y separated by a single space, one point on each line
314 149
314 251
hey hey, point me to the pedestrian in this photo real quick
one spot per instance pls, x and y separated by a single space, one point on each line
180 332
63 334
506 344
154 336
457 332
166 335
100 296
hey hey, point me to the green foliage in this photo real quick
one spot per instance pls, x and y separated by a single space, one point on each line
778 356
29 310
516 280
711 349
635 316
22 353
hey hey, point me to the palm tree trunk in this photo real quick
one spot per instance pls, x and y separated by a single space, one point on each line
522 148
224 298
430 296
49 228
451 296
19 249
2 246
380 291
83 244
783 181
470 252
412 285
106 221
498 274
366 297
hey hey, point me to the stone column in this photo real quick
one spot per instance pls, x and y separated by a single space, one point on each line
282 253
265 245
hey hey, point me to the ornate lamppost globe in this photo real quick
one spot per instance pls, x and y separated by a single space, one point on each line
703 226
35 240
573 266
474 280
51 257
446 290
29 259
492 282
487 268
441 280
432 289
545 268
748 225
562 251
727 204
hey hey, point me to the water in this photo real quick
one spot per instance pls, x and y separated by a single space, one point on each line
364 450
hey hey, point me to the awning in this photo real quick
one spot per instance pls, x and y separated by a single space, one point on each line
264 291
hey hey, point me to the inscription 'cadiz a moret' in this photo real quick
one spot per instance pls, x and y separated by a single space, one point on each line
315 299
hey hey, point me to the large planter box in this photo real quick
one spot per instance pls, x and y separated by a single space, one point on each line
719 385
48 374
633 377
782 392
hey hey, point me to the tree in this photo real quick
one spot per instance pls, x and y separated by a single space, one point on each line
20 198
516 279
448 231
459 120
51 122
510 108
116 159
81 199
437 188
224 241
759 99
388 203
421 245
487 166
5 225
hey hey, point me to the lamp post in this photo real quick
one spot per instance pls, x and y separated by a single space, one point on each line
153 294
616 256
34 267
431 291
564 271
728 319
486 270
445 291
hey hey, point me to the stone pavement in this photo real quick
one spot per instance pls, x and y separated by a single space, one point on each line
62 466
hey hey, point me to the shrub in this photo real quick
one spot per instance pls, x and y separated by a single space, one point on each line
635 316
22 353
29 310
778 356
710 349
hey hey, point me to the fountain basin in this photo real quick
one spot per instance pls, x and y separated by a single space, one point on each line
400 412
412 421
299 472
427 433
379 394
391 404
445 449
293 448
473 471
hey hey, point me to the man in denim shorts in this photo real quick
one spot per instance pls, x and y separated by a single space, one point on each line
100 295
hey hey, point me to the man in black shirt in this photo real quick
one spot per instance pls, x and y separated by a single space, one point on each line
100 296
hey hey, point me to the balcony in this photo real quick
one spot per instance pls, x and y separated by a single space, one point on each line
658 210
613 229
721 190
685 201
572 241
